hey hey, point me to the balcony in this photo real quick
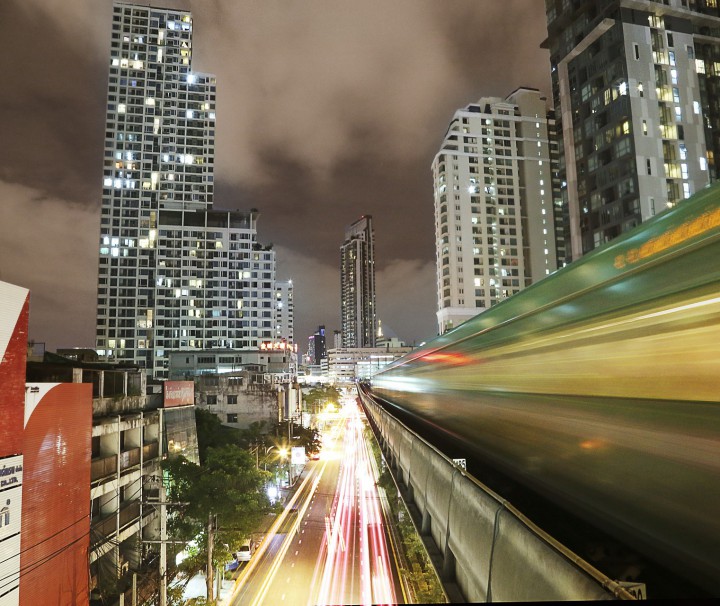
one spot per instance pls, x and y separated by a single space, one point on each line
102 468
150 451
129 513
129 458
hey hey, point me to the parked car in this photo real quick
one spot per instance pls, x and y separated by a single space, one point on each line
246 551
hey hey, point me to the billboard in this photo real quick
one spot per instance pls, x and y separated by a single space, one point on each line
10 518
55 534
13 354
178 393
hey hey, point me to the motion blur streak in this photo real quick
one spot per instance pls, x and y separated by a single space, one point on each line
599 386
357 530
314 477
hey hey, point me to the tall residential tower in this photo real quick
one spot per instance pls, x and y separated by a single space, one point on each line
635 87
357 285
173 272
495 212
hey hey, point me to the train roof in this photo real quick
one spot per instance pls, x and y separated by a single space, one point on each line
690 224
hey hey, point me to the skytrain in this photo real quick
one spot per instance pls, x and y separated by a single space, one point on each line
599 386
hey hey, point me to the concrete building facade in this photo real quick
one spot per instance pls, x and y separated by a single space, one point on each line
173 272
635 86
495 212
346 365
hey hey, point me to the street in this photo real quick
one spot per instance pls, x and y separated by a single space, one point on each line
329 544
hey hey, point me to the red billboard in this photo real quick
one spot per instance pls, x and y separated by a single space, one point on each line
178 393
13 355
55 535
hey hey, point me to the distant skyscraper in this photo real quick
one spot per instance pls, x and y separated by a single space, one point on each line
285 311
173 273
494 208
635 87
357 284
317 347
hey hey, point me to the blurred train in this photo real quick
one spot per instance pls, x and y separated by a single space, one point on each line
599 386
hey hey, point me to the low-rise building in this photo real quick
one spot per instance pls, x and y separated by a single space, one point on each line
131 432
242 387
346 365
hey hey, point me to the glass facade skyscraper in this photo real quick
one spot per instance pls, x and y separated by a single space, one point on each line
357 285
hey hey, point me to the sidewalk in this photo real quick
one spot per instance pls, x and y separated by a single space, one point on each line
196 588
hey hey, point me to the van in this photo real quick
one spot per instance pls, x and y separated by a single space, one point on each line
245 552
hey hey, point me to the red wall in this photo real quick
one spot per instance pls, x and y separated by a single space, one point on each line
55 534
13 325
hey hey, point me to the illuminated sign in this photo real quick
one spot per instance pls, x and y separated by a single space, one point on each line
297 456
179 393
277 346
672 237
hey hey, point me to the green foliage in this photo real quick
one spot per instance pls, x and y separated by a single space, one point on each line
254 435
318 397
308 437
212 433
418 571
226 485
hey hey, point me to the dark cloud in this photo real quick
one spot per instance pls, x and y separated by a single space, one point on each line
326 111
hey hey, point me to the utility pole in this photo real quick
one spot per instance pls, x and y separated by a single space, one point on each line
209 579
163 546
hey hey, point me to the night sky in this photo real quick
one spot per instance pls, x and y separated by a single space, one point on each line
326 110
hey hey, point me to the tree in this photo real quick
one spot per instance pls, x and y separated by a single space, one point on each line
317 397
226 490
308 437
211 433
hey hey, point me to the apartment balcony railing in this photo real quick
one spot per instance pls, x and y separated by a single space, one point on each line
129 458
150 451
129 513
101 468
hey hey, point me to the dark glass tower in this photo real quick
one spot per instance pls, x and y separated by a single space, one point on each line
357 282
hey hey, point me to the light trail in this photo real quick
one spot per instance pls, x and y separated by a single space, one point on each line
314 477
353 562
357 518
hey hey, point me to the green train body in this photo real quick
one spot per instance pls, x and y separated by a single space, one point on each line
599 386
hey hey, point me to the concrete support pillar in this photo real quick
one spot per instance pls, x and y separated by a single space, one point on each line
448 566
426 523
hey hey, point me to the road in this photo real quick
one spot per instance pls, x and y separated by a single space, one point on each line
329 544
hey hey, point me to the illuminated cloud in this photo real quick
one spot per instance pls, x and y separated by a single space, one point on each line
326 111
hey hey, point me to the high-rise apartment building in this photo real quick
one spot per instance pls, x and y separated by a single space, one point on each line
357 285
495 211
284 312
173 273
635 88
